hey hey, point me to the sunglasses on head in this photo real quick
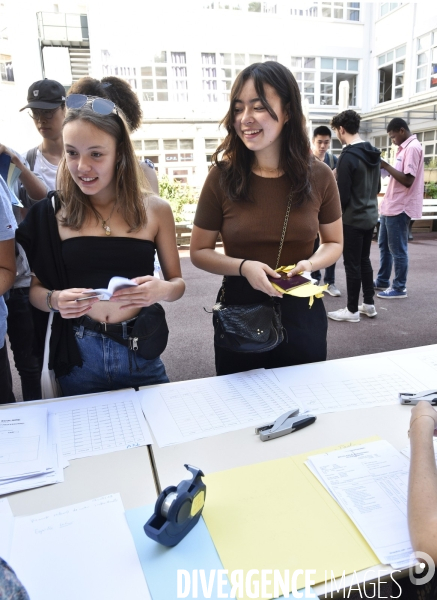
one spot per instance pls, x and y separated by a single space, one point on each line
102 106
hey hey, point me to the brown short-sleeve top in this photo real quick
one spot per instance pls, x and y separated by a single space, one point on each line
253 229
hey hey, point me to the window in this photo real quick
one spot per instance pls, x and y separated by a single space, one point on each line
319 78
6 69
346 11
386 7
429 145
218 71
426 74
304 70
165 80
336 146
176 151
391 70
384 144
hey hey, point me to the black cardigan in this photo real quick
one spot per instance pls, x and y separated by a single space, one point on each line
39 236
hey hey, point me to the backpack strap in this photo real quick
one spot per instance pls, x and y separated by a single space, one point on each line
31 157
331 160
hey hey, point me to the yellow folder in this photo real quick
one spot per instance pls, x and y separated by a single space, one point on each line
276 515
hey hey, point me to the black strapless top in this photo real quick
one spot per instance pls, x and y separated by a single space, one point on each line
91 261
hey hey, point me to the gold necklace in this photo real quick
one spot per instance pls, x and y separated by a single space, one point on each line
105 222
258 166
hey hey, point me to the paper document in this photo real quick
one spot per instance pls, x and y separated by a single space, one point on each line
81 551
54 466
23 441
115 284
189 410
370 482
344 384
101 423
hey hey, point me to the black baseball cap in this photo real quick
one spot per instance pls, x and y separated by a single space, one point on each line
46 93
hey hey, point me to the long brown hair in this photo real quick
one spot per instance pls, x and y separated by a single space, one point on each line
235 160
131 185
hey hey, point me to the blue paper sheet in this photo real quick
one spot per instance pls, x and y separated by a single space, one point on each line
160 564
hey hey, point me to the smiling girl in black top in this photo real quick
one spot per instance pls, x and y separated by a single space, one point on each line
106 224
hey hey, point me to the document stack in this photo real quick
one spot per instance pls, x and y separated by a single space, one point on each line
370 483
29 449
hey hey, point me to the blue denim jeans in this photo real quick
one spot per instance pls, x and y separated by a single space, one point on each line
108 365
393 248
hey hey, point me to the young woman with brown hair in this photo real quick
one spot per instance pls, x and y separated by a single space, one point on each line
263 163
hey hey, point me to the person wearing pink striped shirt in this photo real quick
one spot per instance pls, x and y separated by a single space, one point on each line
402 202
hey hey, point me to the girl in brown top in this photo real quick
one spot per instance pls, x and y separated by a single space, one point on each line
264 160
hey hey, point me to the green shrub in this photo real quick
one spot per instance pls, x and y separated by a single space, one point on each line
431 164
431 189
177 194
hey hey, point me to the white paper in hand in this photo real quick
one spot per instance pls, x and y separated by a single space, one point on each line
116 283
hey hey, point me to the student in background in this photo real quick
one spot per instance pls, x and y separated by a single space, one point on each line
121 93
20 314
402 202
320 146
7 277
46 107
46 104
358 180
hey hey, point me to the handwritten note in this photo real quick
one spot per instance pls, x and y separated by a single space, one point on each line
81 551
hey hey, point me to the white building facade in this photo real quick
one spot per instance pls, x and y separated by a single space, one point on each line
181 59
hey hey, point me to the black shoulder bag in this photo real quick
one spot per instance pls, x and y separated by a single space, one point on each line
249 327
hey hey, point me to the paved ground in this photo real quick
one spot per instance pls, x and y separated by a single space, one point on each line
400 323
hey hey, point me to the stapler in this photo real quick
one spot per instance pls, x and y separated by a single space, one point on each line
286 423
177 510
428 396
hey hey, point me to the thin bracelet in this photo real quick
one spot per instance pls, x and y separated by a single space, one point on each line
241 264
49 301
414 420
310 263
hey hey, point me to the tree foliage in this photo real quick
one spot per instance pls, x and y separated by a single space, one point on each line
177 193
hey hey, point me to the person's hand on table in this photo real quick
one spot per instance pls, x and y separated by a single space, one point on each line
68 303
256 274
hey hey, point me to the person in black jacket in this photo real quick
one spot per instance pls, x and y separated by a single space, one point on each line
359 181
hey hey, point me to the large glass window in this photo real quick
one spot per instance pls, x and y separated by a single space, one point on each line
319 78
165 79
391 71
304 70
386 7
426 74
219 70
428 140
